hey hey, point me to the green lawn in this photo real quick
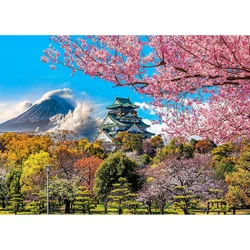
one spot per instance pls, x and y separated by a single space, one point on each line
99 210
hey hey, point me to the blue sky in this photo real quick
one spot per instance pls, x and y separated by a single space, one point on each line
25 77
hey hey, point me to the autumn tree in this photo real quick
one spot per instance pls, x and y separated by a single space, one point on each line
204 146
128 142
86 167
33 176
224 159
224 150
95 149
90 149
20 146
2 148
200 84
115 166
239 182
81 144
157 142
65 156
177 146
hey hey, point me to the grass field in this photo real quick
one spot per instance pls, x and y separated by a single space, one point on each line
99 210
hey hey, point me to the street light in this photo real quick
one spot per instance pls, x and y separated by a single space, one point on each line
47 171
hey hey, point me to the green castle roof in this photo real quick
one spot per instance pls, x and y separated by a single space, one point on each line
122 102
116 119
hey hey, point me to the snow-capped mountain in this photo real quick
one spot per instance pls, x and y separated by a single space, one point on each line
38 115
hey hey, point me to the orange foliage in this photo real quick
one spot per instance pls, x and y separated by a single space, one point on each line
87 168
204 146
17 147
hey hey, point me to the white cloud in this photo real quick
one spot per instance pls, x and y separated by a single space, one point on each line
99 109
12 111
145 106
65 93
155 128
78 121
84 93
23 106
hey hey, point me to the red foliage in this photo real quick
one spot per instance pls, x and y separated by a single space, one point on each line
204 146
87 167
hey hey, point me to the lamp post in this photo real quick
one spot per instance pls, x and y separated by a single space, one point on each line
47 171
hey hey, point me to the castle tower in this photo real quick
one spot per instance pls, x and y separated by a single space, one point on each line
122 116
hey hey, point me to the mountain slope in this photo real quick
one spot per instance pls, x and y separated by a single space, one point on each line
38 115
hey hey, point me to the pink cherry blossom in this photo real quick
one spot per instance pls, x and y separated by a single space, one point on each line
201 82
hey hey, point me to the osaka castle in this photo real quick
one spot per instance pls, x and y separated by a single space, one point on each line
122 116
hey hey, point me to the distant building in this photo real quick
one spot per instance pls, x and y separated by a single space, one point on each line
122 116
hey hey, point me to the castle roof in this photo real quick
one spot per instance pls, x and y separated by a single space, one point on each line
122 103
123 123
121 118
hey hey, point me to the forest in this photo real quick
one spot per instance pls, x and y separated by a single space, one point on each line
141 176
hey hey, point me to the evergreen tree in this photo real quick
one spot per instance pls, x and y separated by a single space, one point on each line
15 203
115 166
83 200
3 188
185 199
34 207
121 197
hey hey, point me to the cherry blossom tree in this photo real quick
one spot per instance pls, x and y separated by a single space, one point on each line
184 182
199 84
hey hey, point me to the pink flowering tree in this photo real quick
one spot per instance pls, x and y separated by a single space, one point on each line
199 84
182 182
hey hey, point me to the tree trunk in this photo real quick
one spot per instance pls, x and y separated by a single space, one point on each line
120 210
149 208
134 210
105 207
162 208
234 210
3 202
67 206
185 210
208 207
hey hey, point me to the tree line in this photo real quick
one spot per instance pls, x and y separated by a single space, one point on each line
139 176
